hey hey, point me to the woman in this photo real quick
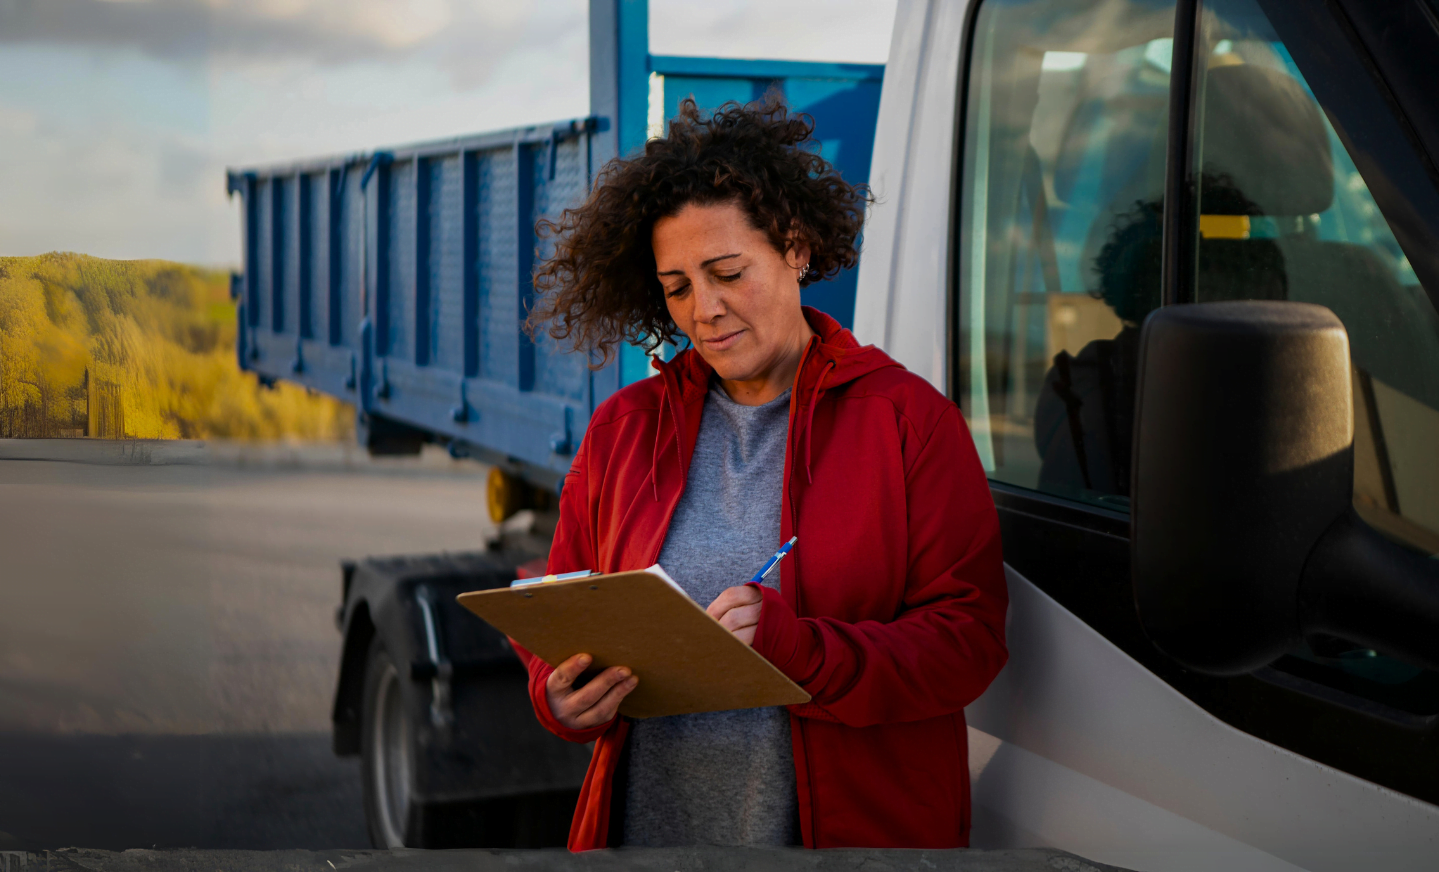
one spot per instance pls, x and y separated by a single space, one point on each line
774 423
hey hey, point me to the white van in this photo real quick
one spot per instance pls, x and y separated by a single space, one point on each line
1051 172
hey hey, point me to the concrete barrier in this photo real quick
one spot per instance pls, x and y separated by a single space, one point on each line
557 860
310 456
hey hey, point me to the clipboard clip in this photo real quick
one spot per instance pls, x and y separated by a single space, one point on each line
563 576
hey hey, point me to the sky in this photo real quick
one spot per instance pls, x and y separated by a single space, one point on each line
118 117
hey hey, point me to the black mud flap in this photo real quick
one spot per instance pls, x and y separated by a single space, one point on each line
485 773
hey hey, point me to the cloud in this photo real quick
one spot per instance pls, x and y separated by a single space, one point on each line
327 31
811 30
118 117
483 33
17 122
118 191
185 169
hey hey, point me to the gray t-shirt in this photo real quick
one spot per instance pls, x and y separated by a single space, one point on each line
720 778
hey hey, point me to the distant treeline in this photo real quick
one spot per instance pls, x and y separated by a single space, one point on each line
141 349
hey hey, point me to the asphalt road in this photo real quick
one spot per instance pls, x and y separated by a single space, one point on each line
167 639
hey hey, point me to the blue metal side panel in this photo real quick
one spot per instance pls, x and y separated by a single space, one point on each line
634 364
633 44
446 262
844 114
350 237
282 259
470 274
319 256
403 256
745 68
289 255
330 249
401 234
270 344
251 231
264 276
711 93
619 92
422 305
558 373
526 157
497 249
311 267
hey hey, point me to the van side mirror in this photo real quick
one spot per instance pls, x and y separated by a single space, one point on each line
1243 535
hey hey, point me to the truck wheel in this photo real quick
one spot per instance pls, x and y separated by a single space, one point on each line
388 769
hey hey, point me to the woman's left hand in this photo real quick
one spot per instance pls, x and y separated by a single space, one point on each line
737 609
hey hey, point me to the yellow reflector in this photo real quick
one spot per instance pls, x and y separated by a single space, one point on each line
1224 226
502 494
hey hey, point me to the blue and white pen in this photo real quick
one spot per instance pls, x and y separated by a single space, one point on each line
774 561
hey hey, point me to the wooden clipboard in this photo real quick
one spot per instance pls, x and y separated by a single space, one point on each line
686 661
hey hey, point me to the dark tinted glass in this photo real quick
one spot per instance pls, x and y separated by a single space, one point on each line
1286 215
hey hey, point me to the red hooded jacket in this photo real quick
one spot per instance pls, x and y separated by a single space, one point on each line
891 608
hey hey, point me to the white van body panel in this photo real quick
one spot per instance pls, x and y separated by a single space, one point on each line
1076 745
901 303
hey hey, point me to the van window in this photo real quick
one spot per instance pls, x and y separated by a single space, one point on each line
1058 258
1284 214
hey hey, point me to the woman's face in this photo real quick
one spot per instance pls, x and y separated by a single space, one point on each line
734 296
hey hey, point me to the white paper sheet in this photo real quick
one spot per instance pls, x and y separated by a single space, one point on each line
660 571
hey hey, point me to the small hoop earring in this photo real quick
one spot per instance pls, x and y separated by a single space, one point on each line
803 271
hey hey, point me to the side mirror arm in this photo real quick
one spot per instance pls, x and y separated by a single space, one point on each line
1243 532
1361 587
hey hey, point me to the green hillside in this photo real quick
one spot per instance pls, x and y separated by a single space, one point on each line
140 349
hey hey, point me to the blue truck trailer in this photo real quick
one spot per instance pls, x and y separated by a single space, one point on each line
398 280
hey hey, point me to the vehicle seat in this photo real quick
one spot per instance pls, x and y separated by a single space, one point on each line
1268 157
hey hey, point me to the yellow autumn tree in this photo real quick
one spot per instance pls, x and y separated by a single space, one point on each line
159 337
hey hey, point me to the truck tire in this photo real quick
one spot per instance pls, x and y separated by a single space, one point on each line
386 752
492 778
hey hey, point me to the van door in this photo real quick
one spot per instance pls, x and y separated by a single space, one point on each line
1304 183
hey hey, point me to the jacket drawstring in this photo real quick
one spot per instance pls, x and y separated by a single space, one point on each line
668 399
659 426
655 462
809 419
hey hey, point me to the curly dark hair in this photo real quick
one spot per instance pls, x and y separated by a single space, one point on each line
1128 265
599 286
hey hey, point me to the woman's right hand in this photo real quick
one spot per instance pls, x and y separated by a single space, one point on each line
592 705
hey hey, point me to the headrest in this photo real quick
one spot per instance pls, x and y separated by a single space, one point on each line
1266 151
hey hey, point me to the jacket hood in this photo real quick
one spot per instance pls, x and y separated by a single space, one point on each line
832 358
